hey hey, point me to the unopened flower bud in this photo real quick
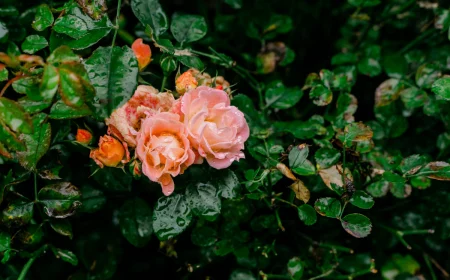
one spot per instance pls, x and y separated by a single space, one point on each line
83 136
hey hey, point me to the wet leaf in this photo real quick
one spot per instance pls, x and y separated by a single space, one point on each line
65 255
204 236
36 143
279 97
61 111
43 18
63 54
171 216
395 65
28 86
191 61
92 199
357 225
204 201
441 88
95 9
34 43
227 183
326 157
150 12
71 88
295 268
321 95
63 227
362 200
301 191
113 73
307 214
60 200
12 114
188 28
50 82
328 207
17 212
135 219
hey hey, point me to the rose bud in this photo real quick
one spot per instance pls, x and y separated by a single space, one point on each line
83 136
143 53
135 169
111 152
186 82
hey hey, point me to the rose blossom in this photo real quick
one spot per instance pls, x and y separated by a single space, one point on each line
164 149
125 121
142 52
110 152
216 129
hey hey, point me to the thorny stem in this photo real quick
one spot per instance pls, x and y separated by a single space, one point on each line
119 5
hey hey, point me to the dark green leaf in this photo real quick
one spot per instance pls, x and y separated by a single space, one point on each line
37 143
204 236
307 214
362 200
50 82
63 54
135 219
357 225
426 75
437 170
61 111
191 61
328 207
60 200
28 86
71 88
369 66
395 65
5 241
31 235
34 43
224 247
65 255
150 12
63 227
113 72
14 116
355 132
203 200
295 268
305 169
280 97
378 189
412 164
171 216
43 18
235 4
321 95
393 177
326 157
188 28
297 155
92 199
413 97
17 212
227 183
441 88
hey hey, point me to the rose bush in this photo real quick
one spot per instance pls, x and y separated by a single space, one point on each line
224 139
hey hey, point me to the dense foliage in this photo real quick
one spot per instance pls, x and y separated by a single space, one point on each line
346 166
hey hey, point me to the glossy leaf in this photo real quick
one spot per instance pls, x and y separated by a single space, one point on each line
34 43
17 212
150 12
135 220
60 200
65 255
171 216
31 235
92 199
279 97
61 111
191 61
188 28
298 155
326 157
436 170
307 214
43 18
357 225
203 200
12 114
412 164
63 227
227 183
305 169
50 82
328 207
362 200
441 88
113 72
204 236
295 268
321 95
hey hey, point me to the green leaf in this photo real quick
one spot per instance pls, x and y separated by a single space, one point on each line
223 247
369 66
5 241
307 214
412 164
305 169
12 114
393 177
400 190
50 82
413 97
62 227
399 265
43 18
355 132
71 88
321 95
295 268
420 182
113 72
135 220
204 236
362 200
150 12
426 75
357 225
171 216
31 235
297 155
168 64
63 54
191 61
203 200
4 32
92 199
279 97
37 143
3 73
235 4
364 3
17 212
61 111
378 189
188 28
28 86
60 200
441 88
34 43
395 65
344 58
437 170
326 157
227 183
328 207
65 255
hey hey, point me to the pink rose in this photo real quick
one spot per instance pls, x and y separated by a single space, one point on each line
164 149
125 121
216 129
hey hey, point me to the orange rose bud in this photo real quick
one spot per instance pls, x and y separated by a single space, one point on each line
186 82
110 152
83 136
143 53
